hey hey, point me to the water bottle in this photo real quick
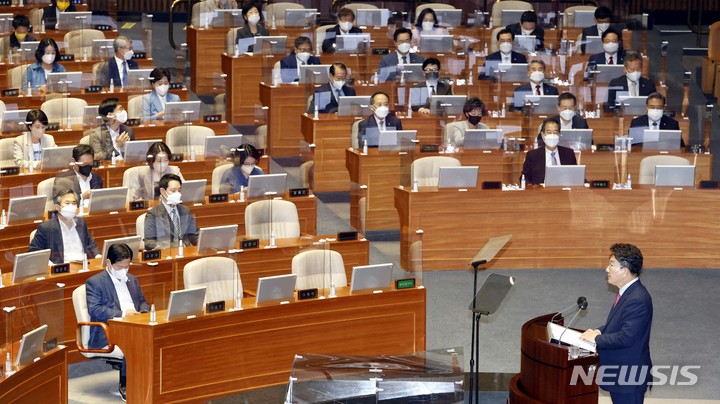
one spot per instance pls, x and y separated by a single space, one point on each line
365 151
272 25
376 79
522 181
42 26
3 219
409 111
29 90
113 159
272 238
112 86
192 153
502 111
315 116
8 365
85 263
31 167
332 289
485 49
490 23
153 315
415 185
242 193
597 111
628 185
84 54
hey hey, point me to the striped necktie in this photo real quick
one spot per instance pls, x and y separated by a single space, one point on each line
175 223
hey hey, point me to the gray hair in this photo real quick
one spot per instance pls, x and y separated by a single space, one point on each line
121 42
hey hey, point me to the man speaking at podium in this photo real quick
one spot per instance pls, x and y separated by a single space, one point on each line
623 342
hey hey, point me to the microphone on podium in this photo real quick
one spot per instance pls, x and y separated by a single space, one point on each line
581 304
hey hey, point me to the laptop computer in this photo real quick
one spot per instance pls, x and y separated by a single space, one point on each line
193 191
564 176
182 111
483 139
674 176
136 151
217 238
541 104
271 184
276 288
371 277
30 265
57 158
221 146
26 208
458 177
107 199
436 44
134 242
31 345
186 302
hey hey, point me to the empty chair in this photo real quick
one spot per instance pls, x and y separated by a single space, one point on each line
95 69
59 109
356 6
230 40
17 76
6 152
426 170
36 16
319 269
647 166
219 275
45 187
499 6
140 225
79 40
307 174
570 14
217 175
284 223
134 108
278 10
179 139
220 103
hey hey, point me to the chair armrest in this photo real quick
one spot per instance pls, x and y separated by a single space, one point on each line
78 337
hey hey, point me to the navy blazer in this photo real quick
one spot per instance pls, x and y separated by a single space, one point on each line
515 57
158 231
443 88
625 337
68 180
289 67
534 165
539 33
332 106
646 88
599 59
103 303
387 70
368 123
328 45
593 31
578 122
109 70
49 235
50 17
245 32
547 89
666 123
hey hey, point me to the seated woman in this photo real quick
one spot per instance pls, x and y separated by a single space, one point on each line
144 185
27 148
153 103
427 24
246 156
46 57
473 110
255 26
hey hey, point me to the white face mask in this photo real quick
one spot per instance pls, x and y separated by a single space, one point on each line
338 84
68 211
120 274
254 19
382 112
121 116
633 76
303 56
537 77
404 47
526 32
506 47
551 140
174 199
48 59
611 47
247 169
603 26
428 25
160 167
567 114
345 26
162 89
655 114
128 55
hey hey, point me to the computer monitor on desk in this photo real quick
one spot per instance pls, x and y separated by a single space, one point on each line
576 139
31 346
72 20
300 17
14 120
541 104
447 104
436 44
193 191
186 302
136 150
584 18
231 17
483 139
371 277
372 17
217 238
264 45
266 185
275 288
411 72
221 147
564 176
674 176
605 73
525 43
353 43
458 177
394 140
139 79
510 72
63 82
314 74
182 111
635 105
56 158
667 140
449 18
30 265
102 49
108 199
358 105
593 45
134 242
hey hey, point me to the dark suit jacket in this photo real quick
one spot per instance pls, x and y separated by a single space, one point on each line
442 88
14 43
599 58
289 67
534 166
49 235
515 57
101 142
109 70
625 337
647 87
68 180
103 303
666 123
547 89
593 31
369 123
49 15
578 122
388 64
245 32
539 33
328 44
332 106
158 231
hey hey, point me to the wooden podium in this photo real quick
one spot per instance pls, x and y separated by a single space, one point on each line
545 370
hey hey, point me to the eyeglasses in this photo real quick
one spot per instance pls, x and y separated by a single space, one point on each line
431 71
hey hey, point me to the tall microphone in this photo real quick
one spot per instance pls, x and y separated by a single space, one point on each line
582 305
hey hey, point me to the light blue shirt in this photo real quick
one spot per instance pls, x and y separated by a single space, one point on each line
36 74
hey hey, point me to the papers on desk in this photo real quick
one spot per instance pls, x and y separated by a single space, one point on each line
570 337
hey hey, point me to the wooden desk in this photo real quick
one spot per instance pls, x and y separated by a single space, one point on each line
285 103
553 228
244 75
44 381
189 358
206 46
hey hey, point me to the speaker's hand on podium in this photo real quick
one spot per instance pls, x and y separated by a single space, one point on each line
590 335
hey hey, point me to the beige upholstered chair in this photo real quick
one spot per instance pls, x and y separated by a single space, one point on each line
59 109
81 39
111 353
179 139
320 37
570 14
6 152
45 187
426 170
434 6
319 269
354 134
217 175
499 6
493 39
278 10
140 225
135 106
219 275
647 166
17 76
258 139
230 40
284 223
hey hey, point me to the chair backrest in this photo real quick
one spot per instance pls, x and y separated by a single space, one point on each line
32 235
434 6
278 10
45 187
647 166
17 76
320 36
426 170
493 39
6 152
284 223
217 175
58 109
128 174
306 174
82 315
230 40
258 139
82 39
219 275
140 225
570 14
354 134
220 103
318 269
499 6
180 138
85 139
134 107
95 70
4 46
36 16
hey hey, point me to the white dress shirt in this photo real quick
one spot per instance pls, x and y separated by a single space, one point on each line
119 63
533 88
548 157
564 125
113 135
400 56
381 126
431 86
614 56
506 58
633 87
627 285
123 293
72 245
84 183
656 125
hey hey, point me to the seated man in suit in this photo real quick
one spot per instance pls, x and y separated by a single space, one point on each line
613 53
433 84
537 85
301 55
51 13
80 178
632 82
655 118
327 96
528 25
109 138
346 19
473 111
21 27
153 103
379 120
603 15
387 70
567 117
505 40
169 222
114 293
66 235
117 67
551 154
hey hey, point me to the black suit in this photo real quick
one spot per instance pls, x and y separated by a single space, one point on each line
245 32
328 45
646 87
158 230
369 124
49 236
14 43
289 67
534 165
593 31
330 92
515 57
526 88
442 88
578 122
599 59
68 180
666 123
539 33
49 15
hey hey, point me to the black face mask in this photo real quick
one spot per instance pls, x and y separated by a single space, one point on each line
474 120
432 76
84 170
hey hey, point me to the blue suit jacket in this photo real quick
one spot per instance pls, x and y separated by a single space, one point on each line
151 105
625 338
391 122
49 235
109 70
387 70
599 58
332 105
288 67
103 303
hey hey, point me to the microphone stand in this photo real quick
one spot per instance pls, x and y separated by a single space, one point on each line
475 341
